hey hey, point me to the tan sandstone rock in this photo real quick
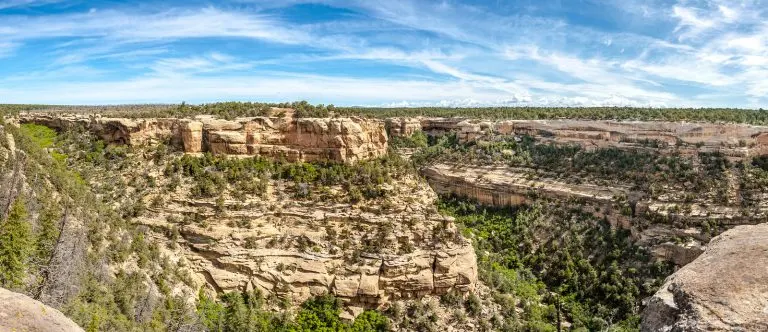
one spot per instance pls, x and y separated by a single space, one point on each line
303 139
21 313
724 289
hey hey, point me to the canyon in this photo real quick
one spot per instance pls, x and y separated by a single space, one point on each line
296 240
736 141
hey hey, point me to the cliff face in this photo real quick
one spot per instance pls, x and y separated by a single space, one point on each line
725 289
297 249
302 139
403 127
674 221
734 140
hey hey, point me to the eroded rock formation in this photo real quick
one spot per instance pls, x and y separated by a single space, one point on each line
19 312
734 140
295 139
403 127
510 186
367 256
725 289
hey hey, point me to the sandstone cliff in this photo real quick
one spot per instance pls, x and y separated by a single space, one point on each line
368 256
294 139
725 289
735 140
20 313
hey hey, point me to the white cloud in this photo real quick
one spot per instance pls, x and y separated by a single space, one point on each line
719 46
24 3
7 49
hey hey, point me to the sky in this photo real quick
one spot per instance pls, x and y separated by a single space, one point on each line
660 53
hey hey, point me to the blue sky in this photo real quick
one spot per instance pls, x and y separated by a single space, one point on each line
387 53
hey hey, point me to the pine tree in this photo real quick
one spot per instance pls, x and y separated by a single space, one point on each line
16 245
48 232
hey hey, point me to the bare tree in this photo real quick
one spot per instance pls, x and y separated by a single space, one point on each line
63 271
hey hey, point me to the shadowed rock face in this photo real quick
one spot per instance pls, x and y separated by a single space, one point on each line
19 312
724 289
305 139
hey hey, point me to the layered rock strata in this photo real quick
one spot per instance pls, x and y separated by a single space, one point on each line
724 289
294 139
736 141
365 255
510 186
403 127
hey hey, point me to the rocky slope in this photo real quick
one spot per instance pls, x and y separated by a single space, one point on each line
291 247
725 289
295 249
295 139
20 313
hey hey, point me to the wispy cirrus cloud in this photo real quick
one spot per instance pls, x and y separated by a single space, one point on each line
683 53
6 4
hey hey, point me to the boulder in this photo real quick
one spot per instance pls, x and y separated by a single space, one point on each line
724 289
19 312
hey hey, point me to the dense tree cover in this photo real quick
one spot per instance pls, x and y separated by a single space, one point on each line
545 254
245 312
226 110
305 109
417 140
213 175
733 115
16 246
544 259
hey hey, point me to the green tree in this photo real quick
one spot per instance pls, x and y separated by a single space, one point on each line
320 314
48 231
16 245
369 321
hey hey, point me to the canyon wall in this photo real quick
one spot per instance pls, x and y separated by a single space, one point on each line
620 206
294 139
367 255
736 141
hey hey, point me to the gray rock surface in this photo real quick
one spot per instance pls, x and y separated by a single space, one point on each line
724 289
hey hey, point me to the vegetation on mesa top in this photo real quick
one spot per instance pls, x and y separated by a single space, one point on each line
225 110
230 110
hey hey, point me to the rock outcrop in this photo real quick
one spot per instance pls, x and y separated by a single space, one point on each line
294 139
21 313
736 141
402 127
724 289
512 186
366 255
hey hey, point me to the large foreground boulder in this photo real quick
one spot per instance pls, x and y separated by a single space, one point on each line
724 289
19 312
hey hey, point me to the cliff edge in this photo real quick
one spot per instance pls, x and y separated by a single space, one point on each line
725 289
